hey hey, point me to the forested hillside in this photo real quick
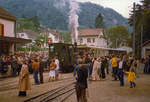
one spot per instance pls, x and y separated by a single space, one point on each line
54 13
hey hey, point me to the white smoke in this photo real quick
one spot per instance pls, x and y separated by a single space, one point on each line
73 19
73 15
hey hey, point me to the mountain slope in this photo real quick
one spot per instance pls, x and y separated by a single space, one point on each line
54 13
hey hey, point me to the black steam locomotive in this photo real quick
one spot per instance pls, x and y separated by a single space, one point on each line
65 54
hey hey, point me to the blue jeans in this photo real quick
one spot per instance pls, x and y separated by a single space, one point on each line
75 70
121 77
132 84
90 70
35 75
115 73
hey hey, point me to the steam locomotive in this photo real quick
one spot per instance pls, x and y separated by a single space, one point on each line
65 54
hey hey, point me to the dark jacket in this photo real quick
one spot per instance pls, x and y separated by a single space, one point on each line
41 69
14 64
88 60
82 75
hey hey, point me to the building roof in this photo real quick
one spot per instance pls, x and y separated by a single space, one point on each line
30 33
15 40
89 32
6 15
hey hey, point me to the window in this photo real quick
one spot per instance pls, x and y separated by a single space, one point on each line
93 40
89 40
81 40
22 35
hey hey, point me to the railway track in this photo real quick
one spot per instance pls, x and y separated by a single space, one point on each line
14 81
15 85
59 94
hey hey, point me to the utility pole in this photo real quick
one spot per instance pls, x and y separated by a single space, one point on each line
134 28
116 43
141 39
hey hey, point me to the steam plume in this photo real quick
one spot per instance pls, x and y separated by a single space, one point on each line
73 19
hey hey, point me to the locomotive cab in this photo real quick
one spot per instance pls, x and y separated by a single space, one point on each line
65 54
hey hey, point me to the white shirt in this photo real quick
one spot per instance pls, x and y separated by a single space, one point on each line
57 64
120 64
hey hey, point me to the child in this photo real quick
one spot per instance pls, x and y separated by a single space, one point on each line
52 70
131 77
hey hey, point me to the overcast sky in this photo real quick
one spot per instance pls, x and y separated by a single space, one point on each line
121 6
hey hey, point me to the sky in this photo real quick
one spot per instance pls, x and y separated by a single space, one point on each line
122 6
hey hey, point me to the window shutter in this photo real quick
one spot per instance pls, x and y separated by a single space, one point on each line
2 30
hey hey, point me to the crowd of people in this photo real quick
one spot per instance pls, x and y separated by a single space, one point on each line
85 67
99 67
23 65
11 65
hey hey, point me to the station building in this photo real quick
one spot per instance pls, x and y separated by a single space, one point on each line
8 38
92 37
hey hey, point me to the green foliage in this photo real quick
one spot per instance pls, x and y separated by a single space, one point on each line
145 22
35 48
42 39
28 23
30 48
99 23
141 16
117 35
19 48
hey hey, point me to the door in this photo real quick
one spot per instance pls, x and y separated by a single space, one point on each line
4 48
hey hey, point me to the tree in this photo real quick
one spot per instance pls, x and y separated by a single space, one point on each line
146 4
28 23
41 40
142 15
36 22
146 28
117 36
99 23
